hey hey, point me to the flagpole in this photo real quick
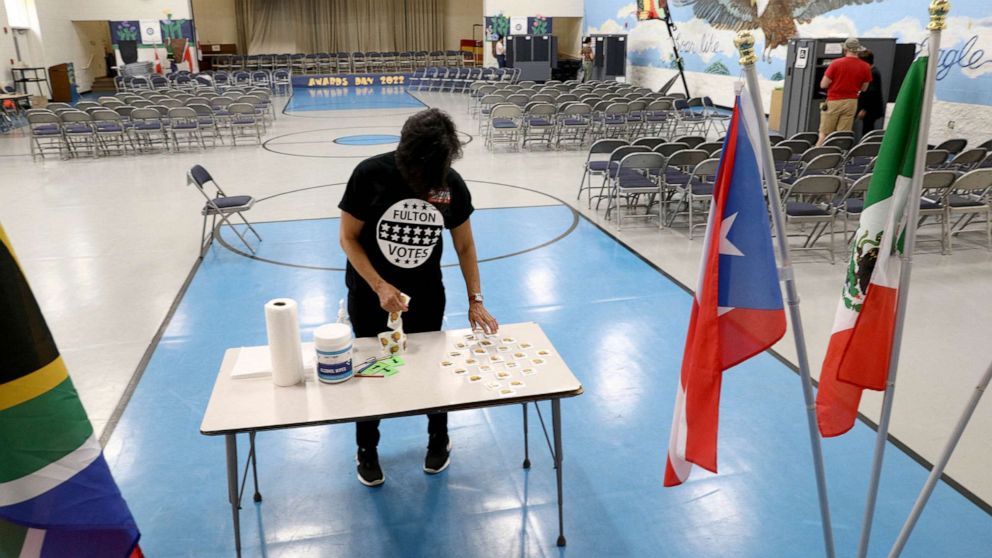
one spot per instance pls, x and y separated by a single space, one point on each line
938 468
938 13
745 43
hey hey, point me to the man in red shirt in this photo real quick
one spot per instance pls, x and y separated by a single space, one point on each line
844 80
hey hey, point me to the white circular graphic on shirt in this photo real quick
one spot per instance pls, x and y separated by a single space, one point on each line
408 231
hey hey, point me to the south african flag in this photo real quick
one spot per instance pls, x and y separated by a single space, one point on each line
57 497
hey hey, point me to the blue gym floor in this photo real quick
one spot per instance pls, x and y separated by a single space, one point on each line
351 98
619 324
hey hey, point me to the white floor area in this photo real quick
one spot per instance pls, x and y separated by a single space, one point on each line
108 243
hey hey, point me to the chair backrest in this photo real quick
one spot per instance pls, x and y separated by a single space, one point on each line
145 113
873 134
507 111
518 99
863 150
645 160
691 141
809 137
814 152
824 186
842 142
616 108
623 151
182 113
710 147
43 118
828 162
706 169
667 149
939 180
201 109
953 146
860 186
969 158
936 157
781 154
198 176
687 158
242 109
774 139
797 146
75 116
650 142
105 114
606 146
541 109
976 180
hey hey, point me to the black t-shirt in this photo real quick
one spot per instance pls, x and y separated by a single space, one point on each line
402 235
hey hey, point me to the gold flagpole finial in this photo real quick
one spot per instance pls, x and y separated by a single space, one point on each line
938 14
745 44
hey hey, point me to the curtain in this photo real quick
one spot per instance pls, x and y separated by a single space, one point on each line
288 26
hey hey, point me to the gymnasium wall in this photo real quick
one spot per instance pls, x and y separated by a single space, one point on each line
56 39
7 52
964 90
215 21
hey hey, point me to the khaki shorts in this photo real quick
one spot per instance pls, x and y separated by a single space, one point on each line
839 116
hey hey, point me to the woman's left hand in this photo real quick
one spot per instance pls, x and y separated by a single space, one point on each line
480 318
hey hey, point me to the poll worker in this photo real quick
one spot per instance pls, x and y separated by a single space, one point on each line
845 78
871 104
586 54
392 215
501 52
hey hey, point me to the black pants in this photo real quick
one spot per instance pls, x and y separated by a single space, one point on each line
501 60
368 319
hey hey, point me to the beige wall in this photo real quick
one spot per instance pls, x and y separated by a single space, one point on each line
459 17
569 33
215 23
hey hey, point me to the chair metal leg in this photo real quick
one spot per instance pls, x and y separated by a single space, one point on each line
242 217
226 219
253 455
526 464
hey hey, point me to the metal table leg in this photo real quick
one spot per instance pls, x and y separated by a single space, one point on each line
526 444
556 427
231 442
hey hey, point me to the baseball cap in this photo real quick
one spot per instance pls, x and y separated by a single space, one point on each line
853 45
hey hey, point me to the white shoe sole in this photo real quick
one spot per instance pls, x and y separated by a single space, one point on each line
443 467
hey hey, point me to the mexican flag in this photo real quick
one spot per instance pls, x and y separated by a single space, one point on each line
861 340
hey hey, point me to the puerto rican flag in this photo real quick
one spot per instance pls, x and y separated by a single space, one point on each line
737 311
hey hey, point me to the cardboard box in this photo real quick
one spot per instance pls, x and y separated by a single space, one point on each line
775 111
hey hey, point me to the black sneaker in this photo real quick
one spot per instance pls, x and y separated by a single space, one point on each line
438 455
369 471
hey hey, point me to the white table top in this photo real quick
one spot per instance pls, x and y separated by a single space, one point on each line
422 385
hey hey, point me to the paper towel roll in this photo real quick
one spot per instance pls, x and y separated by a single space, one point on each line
283 329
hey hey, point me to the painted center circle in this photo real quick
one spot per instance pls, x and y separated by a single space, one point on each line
368 139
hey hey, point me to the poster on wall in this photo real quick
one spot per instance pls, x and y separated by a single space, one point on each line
539 25
151 32
518 26
128 30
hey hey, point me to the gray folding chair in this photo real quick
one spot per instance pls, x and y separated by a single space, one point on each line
696 193
809 201
46 134
185 125
937 187
574 123
597 163
80 136
632 180
148 129
221 205
972 197
111 132
245 122
505 124
539 124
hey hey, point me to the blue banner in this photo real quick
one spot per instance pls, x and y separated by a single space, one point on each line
350 80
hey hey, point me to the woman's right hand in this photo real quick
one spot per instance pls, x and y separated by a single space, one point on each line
390 298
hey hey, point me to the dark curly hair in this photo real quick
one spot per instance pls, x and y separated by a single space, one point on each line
428 145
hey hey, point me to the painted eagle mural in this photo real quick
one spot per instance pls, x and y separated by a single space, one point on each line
776 18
